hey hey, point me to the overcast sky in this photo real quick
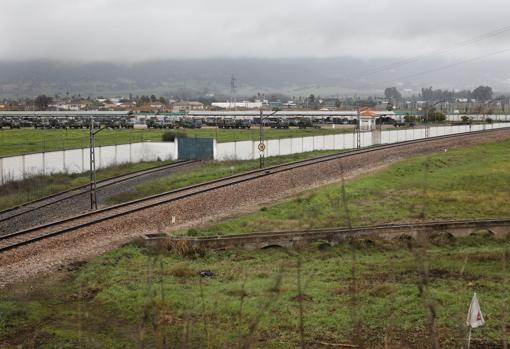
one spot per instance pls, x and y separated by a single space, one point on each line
134 30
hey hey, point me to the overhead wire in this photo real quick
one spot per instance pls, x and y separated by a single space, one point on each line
435 53
448 66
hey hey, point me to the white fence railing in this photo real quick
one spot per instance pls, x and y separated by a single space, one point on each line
78 160
247 150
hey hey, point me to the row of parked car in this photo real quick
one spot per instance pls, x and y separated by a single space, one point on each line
153 122
173 123
64 123
230 123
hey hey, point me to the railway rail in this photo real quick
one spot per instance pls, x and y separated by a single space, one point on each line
38 233
52 199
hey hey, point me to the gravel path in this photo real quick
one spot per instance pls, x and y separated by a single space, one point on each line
75 204
57 253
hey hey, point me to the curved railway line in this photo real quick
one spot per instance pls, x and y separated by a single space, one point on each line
27 207
38 233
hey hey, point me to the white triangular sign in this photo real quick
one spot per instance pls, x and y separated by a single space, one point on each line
474 317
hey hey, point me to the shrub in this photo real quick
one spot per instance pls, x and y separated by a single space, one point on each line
182 270
169 136
437 116
410 118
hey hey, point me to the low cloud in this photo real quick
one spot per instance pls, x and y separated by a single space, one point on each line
131 31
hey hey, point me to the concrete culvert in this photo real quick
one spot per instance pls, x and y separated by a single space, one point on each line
441 238
271 247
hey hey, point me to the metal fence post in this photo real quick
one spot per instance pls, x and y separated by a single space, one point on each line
23 165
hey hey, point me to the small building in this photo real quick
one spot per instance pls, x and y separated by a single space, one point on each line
367 120
244 105
186 106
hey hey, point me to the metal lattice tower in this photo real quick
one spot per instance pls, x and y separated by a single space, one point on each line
93 186
233 97
358 131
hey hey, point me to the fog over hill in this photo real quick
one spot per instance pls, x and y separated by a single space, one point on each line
295 77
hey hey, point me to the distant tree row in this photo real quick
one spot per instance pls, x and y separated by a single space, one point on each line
150 99
481 93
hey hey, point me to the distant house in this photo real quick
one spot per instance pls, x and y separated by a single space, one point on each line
275 105
367 119
329 103
186 106
289 105
244 105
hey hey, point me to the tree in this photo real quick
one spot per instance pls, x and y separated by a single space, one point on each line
436 116
392 94
153 98
163 100
482 93
42 101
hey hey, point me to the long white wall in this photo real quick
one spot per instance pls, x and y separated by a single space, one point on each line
247 150
78 160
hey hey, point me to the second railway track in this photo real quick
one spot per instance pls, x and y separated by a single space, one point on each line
27 236
25 209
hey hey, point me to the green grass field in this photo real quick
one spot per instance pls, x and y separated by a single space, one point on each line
458 184
13 142
364 293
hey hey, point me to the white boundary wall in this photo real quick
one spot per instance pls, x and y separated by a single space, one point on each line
247 150
78 160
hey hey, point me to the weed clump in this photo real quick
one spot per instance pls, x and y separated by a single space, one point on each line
182 270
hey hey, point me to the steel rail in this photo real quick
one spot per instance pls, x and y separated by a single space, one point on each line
80 189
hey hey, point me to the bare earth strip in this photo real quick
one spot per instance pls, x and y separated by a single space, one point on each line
55 253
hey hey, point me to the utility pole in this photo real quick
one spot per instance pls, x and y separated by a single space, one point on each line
485 111
93 182
262 146
358 131
427 127
233 98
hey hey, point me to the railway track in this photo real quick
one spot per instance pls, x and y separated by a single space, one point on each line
34 205
38 233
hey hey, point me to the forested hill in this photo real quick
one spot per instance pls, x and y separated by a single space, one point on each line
188 78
